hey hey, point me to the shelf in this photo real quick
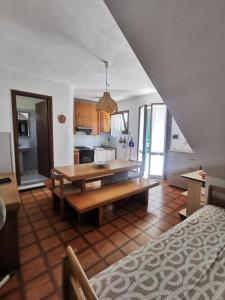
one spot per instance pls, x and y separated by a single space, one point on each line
202 192
184 193
183 212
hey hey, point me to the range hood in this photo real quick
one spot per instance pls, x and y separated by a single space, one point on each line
87 130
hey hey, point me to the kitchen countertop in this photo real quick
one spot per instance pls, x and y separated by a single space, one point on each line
95 147
106 148
9 192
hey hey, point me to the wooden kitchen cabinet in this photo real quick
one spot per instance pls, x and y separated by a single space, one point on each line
85 115
104 122
82 114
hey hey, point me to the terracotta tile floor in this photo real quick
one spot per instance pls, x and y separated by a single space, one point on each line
43 237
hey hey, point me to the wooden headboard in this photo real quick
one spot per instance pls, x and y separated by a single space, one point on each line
216 196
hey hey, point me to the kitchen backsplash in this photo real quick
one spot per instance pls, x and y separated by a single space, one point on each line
82 139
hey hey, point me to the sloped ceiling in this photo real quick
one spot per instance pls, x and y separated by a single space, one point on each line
181 45
65 41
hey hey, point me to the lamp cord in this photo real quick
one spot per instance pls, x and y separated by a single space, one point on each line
106 75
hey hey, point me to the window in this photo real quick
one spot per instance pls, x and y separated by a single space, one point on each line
120 123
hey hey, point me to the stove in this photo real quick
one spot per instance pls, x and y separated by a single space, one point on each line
86 154
83 148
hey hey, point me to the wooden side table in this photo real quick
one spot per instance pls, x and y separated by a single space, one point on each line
194 193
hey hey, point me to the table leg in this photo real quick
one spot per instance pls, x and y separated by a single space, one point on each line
80 184
100 215
194 196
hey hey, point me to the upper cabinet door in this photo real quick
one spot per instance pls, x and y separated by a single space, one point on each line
105 121
94 120
83 114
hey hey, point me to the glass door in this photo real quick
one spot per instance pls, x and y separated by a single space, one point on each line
157 141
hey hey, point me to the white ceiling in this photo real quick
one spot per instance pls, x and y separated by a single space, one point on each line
65 41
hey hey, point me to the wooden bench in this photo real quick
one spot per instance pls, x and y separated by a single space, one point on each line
97 199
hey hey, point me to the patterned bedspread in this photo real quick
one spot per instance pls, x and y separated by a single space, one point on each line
187 262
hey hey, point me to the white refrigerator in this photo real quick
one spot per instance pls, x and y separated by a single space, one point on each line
5 153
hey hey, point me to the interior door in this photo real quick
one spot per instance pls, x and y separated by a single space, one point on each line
158 140
43 151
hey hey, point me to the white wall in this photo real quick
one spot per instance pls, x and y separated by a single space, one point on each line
181 46
180 144
133 106
23 102
62 96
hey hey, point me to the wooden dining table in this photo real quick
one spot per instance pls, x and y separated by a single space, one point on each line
116 170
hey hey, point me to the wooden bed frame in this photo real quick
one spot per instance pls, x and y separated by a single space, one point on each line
76 285
214 196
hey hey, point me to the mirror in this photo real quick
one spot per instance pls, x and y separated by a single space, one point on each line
23 123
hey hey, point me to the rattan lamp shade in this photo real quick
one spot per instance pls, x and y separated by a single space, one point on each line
106 103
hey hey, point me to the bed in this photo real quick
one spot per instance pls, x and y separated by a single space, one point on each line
187 262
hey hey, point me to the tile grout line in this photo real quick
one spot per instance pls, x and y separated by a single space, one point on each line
44 252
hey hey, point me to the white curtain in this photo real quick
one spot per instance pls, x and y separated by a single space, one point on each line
158 128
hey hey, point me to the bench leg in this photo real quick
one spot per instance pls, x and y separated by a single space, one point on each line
100 215
54 206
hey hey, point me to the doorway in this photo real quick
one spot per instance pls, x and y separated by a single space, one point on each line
33 137
152 139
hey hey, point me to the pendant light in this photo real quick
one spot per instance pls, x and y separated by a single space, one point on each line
106 102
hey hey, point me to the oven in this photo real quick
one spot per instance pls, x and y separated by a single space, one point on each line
86 154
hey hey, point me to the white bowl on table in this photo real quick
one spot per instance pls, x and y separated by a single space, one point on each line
100 164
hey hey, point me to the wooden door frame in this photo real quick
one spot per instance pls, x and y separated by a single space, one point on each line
168 140
15 93
144 131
